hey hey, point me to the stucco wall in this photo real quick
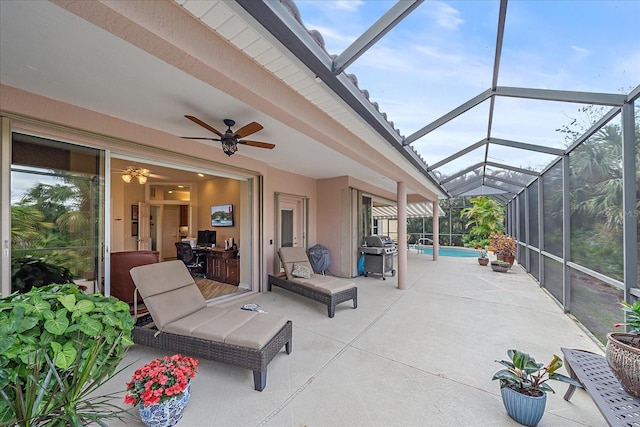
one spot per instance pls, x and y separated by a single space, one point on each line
279 181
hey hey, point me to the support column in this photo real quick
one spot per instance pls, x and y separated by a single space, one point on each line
541 230
629 202
402 235
436 229
5 206
566 233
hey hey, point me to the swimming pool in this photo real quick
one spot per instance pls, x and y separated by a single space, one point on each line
452 251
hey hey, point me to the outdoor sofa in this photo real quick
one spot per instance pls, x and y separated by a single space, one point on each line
298 277
184 323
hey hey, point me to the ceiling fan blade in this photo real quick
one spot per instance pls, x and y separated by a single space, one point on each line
247 130
200 137
257 144
204 125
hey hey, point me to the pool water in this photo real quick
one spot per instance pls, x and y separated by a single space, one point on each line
451 251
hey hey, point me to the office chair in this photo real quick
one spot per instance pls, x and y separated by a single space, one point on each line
193 261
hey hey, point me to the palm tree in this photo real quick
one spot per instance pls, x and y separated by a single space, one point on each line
486 216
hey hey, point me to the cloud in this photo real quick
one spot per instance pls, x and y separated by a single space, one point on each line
445 15
580 50
347 5
334 40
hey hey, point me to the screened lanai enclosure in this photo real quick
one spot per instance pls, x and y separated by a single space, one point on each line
532 103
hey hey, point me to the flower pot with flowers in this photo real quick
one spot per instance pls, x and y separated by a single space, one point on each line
161 389
504 246
523 385
623 350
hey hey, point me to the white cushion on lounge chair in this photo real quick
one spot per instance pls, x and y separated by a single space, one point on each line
325 284
293 255
169 291
329 285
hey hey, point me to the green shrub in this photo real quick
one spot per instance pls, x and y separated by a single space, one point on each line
57 346
29 272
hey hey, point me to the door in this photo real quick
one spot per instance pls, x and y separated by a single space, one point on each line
291 222
170 217
144 227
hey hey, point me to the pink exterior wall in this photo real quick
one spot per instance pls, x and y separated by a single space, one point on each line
279 181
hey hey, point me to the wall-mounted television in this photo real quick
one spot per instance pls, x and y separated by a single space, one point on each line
222 215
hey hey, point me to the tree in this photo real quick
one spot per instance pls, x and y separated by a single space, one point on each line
485 217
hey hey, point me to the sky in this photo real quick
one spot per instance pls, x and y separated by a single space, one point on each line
442 55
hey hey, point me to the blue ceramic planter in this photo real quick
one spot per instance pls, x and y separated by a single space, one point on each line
526 410
167 413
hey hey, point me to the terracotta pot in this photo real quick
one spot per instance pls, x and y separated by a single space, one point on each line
624 360
483 261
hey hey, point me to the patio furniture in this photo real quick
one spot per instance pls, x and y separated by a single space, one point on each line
618 407
182 322
298 277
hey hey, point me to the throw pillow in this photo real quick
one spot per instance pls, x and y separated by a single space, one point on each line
300 270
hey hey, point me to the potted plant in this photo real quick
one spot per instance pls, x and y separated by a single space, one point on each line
623 350
161 389
523 385
500 266
504 246
58 345
483 259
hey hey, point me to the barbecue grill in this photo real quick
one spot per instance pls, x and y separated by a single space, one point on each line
379 252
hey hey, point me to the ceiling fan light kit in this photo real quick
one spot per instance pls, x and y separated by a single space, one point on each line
131 172
229 138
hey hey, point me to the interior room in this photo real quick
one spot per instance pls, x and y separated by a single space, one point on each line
154 206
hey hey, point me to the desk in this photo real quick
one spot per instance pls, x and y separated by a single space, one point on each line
222 266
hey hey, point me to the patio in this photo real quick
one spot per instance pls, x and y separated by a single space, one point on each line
420 357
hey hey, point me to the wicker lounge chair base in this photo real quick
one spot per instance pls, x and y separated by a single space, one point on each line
330 300
298 277
248 358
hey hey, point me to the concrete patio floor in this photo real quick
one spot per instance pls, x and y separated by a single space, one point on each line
420 357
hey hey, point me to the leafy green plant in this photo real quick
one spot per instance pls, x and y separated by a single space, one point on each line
57 346
27 272
485 217
483 253
526 376
632 312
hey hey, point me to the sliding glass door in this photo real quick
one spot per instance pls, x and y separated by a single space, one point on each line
57 212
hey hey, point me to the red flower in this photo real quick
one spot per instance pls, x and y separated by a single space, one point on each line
160 380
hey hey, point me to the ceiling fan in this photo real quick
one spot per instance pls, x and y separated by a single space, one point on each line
139 173
229 138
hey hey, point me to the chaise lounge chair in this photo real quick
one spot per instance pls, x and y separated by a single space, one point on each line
298 277
182 322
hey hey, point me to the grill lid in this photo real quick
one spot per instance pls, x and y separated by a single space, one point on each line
378 241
